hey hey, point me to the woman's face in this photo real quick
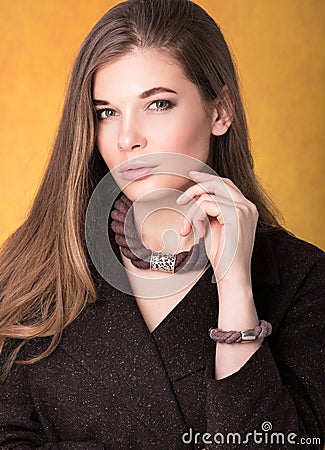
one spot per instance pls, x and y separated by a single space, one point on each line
147 109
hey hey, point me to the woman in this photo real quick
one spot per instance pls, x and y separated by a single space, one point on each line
113 358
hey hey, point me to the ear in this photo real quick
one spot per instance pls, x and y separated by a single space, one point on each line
222 115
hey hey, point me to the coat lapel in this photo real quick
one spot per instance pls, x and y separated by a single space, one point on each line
182 337
111 341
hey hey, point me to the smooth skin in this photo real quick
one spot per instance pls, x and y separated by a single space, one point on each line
136 119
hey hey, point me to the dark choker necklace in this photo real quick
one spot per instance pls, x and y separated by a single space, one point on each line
141 257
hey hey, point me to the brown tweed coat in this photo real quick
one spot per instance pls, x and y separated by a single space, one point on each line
112 384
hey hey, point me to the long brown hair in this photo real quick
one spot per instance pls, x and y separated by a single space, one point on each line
45 281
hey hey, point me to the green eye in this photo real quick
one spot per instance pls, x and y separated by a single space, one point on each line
105 113
160 105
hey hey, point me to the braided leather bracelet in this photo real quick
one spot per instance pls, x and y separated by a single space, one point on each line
262 330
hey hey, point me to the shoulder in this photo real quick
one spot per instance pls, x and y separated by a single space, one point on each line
289 249
288 277
286 245
284 239
292 253
279 257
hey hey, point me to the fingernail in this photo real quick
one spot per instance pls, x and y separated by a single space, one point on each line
183 198
183 228
194 172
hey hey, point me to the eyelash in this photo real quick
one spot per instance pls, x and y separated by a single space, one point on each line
169 105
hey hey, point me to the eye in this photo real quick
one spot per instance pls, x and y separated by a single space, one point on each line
105 113
160 105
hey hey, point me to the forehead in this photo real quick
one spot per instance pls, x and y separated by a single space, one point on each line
138 70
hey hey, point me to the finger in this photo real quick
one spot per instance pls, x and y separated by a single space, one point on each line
207 209
207 183
230 183
185 227
199 228
203 176
213 202
194 174
198 224
196 190
200 212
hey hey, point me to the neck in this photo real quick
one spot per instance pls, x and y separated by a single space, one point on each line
158 222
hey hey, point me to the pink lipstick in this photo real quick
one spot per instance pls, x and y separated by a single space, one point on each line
134 170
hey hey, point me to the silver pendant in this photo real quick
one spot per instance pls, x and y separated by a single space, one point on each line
164 262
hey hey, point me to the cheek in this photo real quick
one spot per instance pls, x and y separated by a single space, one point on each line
190 136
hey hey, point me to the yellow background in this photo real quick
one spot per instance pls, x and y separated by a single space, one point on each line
279 48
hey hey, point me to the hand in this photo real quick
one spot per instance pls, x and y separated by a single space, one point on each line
228 222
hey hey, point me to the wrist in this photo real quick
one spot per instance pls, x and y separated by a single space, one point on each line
236 292
239 282
237 308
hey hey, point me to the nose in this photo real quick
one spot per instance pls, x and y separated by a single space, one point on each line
131 138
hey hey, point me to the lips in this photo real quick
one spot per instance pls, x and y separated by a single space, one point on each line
134 170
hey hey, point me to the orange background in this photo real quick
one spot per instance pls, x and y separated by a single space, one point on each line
279 48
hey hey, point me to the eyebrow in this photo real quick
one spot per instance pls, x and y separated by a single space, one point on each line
143 95
155 90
